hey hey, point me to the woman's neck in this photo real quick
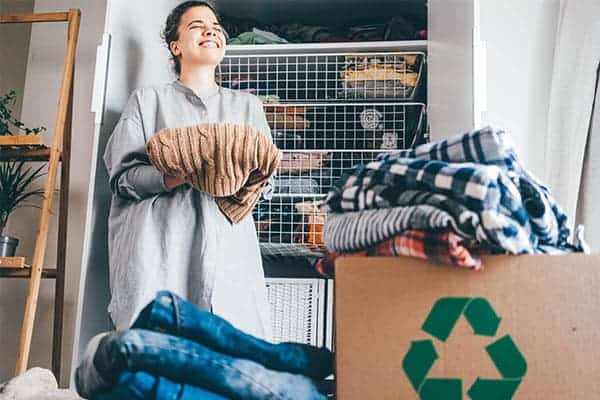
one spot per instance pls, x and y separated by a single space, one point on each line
198 78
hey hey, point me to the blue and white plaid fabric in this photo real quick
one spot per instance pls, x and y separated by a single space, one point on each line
478 169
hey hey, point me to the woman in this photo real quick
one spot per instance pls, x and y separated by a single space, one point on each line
162 233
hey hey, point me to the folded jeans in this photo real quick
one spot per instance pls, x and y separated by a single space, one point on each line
184 361
143 386
171 314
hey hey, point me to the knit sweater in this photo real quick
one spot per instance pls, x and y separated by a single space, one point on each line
228 161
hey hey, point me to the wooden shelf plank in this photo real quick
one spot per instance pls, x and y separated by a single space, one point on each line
12 262
20 140
47 273
38 153
39 17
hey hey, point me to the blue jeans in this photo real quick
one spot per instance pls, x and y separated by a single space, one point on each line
143 386
170 314
185 361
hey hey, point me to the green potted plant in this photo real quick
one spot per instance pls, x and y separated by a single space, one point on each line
15 177
15 181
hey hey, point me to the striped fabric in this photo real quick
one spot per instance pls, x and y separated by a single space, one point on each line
444 247
354 231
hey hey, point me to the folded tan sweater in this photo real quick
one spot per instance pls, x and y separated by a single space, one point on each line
230 162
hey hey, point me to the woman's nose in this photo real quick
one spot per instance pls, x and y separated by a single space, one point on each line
210 32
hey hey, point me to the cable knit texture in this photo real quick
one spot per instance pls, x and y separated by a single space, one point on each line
228 161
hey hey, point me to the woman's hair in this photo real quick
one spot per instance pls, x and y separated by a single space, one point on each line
170 33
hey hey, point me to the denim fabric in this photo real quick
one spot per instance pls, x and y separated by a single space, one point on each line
170 314
143 386
186 361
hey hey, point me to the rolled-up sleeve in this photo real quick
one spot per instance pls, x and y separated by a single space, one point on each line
259 120
130 173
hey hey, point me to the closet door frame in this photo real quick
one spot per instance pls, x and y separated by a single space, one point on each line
453 61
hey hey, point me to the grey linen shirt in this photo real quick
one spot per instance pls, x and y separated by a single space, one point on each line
179 240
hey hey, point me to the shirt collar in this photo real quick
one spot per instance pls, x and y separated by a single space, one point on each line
203 94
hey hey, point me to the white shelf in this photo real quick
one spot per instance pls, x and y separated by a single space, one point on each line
323 48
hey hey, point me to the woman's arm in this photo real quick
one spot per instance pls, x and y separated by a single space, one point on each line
259 120
130 173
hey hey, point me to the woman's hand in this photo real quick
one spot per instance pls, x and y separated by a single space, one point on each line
171 182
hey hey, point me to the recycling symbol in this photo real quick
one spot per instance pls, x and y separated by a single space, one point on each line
439 323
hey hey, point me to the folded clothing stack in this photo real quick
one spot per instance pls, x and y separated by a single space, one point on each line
177 351
231 162
376 77
470 189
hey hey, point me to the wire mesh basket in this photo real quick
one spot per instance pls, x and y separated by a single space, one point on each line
335 76
353 126
297 310
320 141
290 220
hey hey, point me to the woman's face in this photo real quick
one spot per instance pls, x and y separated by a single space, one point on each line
201 39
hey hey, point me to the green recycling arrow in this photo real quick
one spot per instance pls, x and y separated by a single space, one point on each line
443 316
482 317
446 311
507 358
418 361
493 389
485 322
441 389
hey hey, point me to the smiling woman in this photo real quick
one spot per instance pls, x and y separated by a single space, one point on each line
163 234
191 26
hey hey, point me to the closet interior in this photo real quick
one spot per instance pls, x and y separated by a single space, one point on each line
344 88
341 82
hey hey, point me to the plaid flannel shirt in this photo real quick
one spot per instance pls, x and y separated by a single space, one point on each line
444 247
516 212
491 146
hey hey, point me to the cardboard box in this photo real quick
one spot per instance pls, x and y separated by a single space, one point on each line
526 327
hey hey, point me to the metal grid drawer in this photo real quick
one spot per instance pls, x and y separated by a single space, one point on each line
320 141
335 76
354 126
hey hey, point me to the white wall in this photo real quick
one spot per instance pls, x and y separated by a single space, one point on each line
520 39
46 55
14 46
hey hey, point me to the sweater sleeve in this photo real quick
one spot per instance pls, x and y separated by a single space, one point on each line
260 122
130 173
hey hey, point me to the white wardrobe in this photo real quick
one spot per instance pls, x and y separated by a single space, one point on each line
132 55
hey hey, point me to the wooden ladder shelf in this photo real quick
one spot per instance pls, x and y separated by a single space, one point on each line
31 149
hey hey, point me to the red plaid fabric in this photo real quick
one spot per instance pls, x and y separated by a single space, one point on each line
444 247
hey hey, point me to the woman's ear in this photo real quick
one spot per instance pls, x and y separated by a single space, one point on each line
175 50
